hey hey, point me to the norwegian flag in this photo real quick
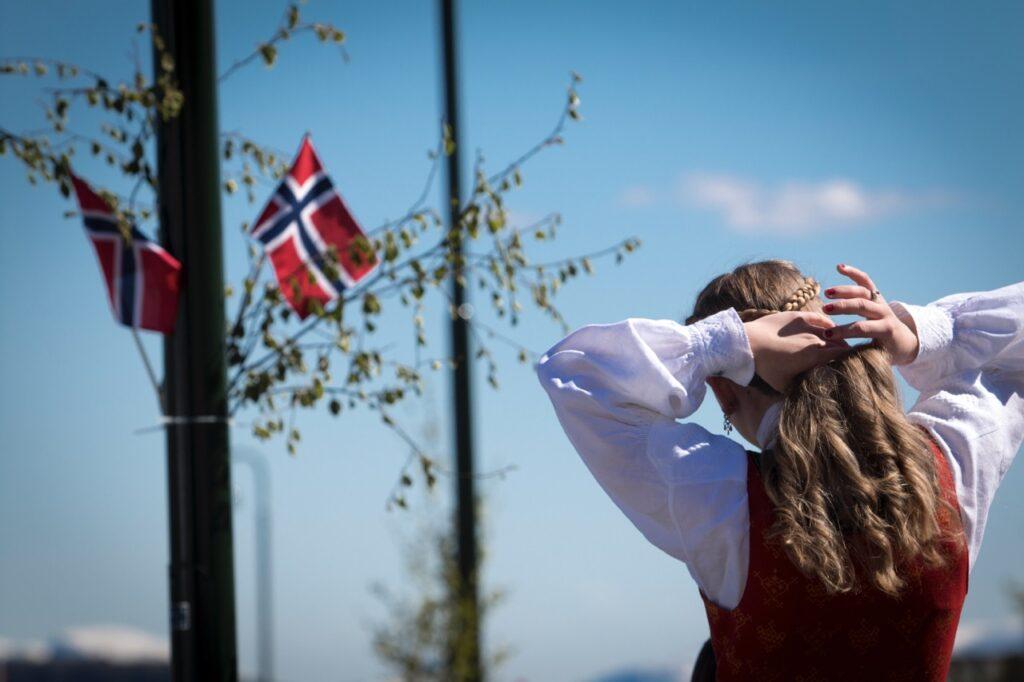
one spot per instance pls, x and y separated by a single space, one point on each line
142 279
304 218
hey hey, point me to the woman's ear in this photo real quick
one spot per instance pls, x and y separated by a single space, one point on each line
725 393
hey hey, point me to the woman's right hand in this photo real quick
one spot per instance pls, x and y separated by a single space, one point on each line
880 321
786 344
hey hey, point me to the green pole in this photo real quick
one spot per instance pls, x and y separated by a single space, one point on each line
202 592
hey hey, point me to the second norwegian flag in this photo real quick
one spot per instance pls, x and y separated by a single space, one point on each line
302 223
142 280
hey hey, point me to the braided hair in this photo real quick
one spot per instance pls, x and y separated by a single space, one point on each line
796 301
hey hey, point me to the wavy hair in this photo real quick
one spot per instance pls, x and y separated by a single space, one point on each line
852 481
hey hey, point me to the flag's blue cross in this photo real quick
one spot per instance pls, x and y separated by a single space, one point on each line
292 211
126 275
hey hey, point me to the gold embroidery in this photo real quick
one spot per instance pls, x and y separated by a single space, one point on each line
739 621
770 637
774 588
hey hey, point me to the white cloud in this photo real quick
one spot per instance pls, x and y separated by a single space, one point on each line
637 196
796 207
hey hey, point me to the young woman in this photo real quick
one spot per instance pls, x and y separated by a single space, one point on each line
841 549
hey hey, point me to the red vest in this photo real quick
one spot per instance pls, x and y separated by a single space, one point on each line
788 628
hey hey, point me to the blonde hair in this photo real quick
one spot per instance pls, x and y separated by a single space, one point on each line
852 481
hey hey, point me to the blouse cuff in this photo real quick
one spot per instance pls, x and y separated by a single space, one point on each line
726 346
934 330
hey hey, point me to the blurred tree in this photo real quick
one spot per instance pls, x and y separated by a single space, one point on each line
422 633
420 639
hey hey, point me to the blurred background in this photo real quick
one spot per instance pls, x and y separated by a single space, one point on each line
885 136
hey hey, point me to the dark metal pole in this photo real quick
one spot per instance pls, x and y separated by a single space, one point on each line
202 591
465 657
264 565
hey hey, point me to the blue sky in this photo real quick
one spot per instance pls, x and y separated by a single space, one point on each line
887 136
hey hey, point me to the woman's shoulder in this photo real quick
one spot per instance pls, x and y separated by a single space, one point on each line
688 453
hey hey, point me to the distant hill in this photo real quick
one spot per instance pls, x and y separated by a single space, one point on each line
641 675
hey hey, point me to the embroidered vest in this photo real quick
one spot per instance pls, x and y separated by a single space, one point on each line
788 628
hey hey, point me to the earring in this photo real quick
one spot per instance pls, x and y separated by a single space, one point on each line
727 425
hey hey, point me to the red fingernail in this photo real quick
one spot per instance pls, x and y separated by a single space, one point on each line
842 265
829 292
828 333
829 308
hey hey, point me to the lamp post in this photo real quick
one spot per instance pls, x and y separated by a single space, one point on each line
264 564
202 590
465 659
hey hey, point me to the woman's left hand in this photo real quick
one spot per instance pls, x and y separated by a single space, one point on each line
880 323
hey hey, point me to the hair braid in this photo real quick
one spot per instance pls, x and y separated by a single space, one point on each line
801 296
796 301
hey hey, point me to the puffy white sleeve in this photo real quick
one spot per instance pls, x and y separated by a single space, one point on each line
970 372
617 390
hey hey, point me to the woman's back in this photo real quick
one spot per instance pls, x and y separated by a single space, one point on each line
787 626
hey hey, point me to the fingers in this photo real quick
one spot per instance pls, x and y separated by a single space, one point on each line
847 291
817 320
861 329
824 353
858 276
858 306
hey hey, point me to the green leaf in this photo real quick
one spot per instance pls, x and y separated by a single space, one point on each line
371 305
269 54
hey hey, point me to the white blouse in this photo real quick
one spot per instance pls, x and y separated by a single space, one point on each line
619 388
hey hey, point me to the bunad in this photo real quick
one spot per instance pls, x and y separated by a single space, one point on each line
618 391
